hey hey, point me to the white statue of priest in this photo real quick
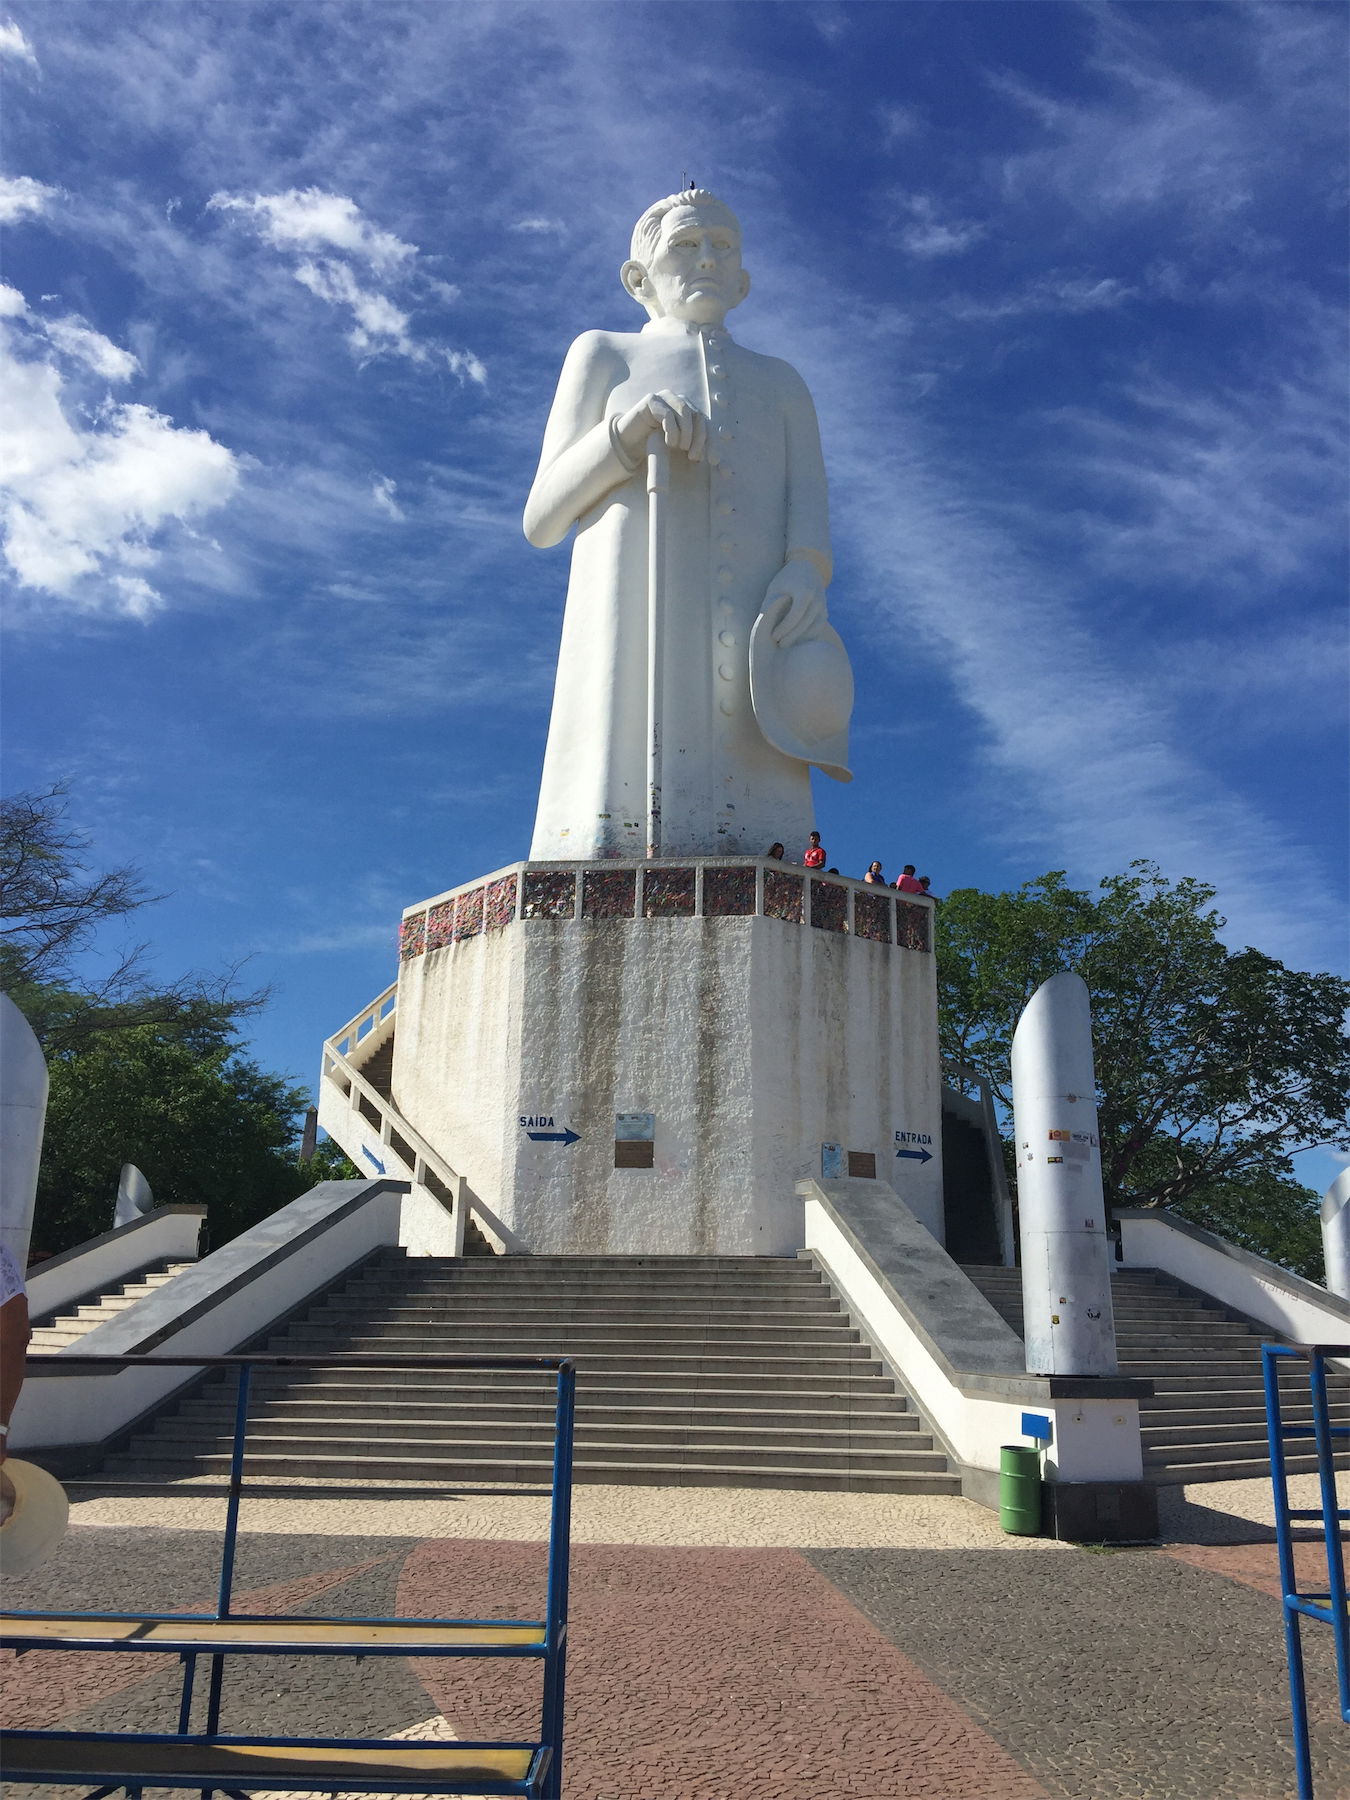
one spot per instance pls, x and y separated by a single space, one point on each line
754 685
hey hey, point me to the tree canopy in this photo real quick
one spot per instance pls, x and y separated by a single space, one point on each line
1213 1066
144 1072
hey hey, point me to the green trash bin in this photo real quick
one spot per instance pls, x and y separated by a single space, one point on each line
1019 1490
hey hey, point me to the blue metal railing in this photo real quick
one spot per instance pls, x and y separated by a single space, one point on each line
1329 1607
545 1778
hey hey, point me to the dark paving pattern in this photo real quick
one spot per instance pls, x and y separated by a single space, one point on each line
1125 1676
725 1674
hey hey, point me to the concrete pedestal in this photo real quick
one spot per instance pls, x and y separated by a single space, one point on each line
646 1058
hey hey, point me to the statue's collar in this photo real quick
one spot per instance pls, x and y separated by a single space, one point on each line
683 328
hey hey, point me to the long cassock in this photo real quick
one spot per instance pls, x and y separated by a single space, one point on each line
758 498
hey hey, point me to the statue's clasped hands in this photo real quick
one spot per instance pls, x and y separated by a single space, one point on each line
678 420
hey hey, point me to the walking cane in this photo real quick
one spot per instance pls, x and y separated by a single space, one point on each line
658 490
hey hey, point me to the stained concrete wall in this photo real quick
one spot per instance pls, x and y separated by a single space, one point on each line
752 1040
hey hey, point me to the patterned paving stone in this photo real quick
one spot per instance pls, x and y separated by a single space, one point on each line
1123 1676
701 1674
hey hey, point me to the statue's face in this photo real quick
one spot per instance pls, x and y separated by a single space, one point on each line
695 272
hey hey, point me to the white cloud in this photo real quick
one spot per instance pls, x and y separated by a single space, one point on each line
88 346
383 495
380 325
928 234
14 43
83 499
554 226
465 363
21 194
331 234
306 218
12 303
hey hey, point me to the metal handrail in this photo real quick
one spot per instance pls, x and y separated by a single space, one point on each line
552 1650
1332 1607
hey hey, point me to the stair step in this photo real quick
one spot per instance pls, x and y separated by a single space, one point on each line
302 1414
449 1332
352 1471
872 1450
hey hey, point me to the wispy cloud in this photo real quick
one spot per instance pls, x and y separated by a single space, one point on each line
76 338
22 195
13 43
925 229
1054 293
304 219
382 493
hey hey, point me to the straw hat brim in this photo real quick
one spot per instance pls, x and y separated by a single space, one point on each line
38 1522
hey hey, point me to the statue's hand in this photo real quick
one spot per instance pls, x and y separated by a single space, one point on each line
680 422
797 598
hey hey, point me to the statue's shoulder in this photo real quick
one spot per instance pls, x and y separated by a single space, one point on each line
600 347
772 372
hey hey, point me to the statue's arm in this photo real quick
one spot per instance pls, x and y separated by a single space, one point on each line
808 513
580 462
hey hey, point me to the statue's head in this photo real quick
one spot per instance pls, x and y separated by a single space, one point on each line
685 261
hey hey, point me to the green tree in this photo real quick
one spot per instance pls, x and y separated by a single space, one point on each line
203 1122
1213 1066
53 909
141 1071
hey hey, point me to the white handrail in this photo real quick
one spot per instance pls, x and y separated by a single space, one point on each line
390 1120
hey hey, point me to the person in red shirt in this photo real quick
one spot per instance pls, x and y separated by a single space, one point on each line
815 855
907 883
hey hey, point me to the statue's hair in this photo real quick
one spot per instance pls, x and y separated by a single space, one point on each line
647 231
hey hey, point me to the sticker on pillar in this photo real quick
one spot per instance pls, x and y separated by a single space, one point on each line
912 1146
831 1162
634 1140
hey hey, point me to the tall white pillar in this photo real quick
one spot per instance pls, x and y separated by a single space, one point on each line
23 1110
1066 1254
1336 1234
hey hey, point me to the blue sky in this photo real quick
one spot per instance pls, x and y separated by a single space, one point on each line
287 292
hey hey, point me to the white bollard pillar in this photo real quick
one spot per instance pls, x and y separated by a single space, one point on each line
1066 1254
23 1110
1336 1234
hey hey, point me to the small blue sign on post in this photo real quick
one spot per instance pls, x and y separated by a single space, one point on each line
1038 1426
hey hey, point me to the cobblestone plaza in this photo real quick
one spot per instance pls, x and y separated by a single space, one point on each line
740 1645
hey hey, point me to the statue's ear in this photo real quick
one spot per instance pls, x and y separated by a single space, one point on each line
634 278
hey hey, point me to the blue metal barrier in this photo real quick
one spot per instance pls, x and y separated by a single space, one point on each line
133 1761
1329 1607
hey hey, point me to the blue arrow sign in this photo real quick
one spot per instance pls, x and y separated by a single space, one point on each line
922 1156
375 1159
554 1137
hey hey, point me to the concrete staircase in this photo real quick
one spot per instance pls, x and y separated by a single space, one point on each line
62 1329
1206 1420
726 1371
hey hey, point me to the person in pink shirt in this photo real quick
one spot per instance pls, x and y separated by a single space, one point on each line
907 883
815 855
